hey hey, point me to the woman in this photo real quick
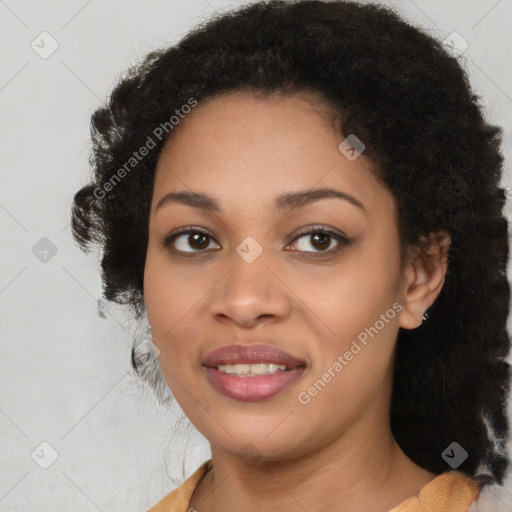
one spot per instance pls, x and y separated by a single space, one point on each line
303 199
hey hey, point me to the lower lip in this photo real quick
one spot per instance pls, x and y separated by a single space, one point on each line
252 389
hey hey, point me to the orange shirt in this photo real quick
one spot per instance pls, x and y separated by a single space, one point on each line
451 491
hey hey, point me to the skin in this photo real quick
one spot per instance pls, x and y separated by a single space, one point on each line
245 150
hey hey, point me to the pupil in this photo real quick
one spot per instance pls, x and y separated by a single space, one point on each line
325 238
195 238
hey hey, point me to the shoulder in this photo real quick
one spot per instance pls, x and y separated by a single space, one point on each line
451 491
179 499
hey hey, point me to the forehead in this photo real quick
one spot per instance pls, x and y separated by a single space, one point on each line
240 146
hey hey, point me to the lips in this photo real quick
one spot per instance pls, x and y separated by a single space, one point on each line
251 354
254 388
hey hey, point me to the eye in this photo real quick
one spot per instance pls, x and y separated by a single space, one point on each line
195 240
321 239
189 238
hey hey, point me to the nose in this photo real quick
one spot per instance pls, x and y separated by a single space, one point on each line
250 293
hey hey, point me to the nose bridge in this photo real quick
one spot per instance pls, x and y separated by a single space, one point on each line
249 275
250 289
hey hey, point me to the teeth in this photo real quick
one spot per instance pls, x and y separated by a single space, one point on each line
248 370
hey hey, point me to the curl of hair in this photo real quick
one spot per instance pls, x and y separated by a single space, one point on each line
398 90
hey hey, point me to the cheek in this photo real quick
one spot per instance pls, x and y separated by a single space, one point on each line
169 300
356 293
170 292
358 303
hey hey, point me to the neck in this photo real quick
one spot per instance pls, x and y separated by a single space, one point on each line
358 472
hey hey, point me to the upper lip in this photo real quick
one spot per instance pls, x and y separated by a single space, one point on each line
251 354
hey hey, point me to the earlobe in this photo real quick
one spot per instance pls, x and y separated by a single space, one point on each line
424 278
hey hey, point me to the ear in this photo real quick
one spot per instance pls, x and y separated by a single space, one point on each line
424 273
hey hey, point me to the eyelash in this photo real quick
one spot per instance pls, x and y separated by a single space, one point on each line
343 241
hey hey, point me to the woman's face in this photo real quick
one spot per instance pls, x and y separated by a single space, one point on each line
250 274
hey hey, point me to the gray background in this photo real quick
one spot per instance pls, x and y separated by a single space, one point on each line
64 371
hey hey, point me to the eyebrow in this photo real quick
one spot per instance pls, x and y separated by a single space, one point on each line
287 201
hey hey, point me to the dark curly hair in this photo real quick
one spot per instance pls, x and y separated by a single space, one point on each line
409 100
